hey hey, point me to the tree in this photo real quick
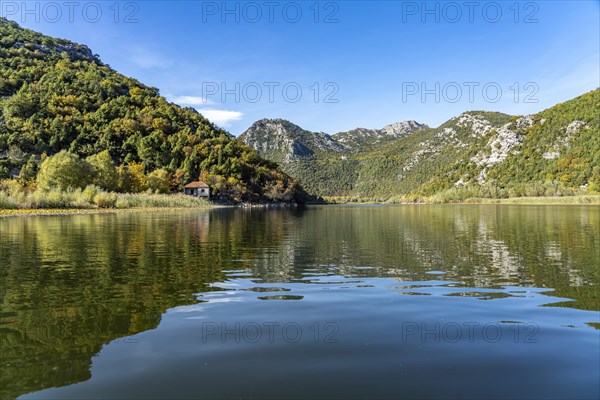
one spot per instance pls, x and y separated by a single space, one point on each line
64 171
29 170
132 178
104 171
159 181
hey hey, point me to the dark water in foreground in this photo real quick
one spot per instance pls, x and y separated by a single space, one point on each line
328 302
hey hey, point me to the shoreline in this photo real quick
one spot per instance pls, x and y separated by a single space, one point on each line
580 200
566 200
47 212
571 201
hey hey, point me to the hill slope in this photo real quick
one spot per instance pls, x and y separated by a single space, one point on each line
477 153
56 95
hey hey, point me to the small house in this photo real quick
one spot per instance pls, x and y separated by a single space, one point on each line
197 188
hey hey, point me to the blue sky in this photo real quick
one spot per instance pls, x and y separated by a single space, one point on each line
334 66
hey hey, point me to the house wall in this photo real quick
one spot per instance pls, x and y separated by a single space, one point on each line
199 192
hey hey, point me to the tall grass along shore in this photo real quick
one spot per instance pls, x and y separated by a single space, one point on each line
16 197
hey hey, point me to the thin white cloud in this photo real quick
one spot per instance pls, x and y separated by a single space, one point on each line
189 100
223 118
584 77
148 60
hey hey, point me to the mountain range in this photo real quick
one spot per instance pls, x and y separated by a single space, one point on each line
478 153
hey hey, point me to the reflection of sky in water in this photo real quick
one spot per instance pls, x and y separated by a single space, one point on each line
418 335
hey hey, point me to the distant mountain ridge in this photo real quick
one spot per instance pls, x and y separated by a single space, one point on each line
478 153
358 139
282 141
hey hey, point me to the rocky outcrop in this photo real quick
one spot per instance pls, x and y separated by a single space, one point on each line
75 52
505 141
571 131
360 138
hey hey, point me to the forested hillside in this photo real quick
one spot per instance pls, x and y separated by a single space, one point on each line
477 154
57 96
554 152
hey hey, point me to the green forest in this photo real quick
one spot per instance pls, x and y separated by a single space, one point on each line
68 121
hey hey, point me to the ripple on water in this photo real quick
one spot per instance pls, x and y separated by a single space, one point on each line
319 282
481 295
411 287
415 293
267 289
238 273
281 297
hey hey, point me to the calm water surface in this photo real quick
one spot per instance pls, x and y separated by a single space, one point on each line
327 302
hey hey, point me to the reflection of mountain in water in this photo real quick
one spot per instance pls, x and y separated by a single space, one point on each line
69 285
485 246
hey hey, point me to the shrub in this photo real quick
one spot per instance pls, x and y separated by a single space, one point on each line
55 198
6 203
159 200
105 200
90 193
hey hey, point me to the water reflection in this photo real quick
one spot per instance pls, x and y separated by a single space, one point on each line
70 285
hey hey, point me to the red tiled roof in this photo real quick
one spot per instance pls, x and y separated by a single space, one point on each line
196 184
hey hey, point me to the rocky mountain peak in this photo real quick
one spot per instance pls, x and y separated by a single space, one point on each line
360 138
284 140
403 128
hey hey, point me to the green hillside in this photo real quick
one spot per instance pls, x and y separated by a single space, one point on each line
554 152
56 95
477 154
